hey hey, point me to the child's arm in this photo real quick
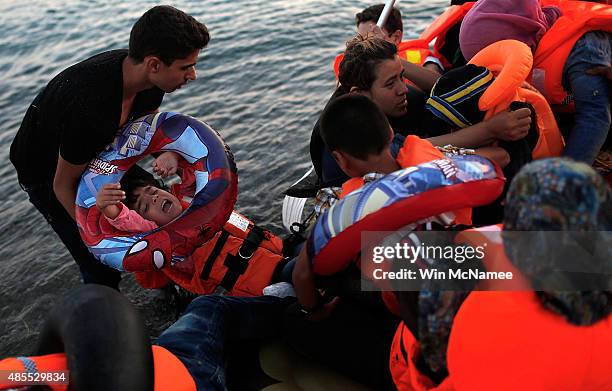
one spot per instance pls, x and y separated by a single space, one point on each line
495 154
108 198
166 164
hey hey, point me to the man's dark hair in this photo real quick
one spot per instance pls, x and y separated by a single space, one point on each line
372 13
355 125
167 33
362 55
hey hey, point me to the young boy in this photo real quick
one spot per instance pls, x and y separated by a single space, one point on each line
146 206
358 135
392 31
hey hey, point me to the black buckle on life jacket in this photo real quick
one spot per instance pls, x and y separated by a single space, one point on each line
238 264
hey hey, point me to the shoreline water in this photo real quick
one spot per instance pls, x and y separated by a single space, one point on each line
261 83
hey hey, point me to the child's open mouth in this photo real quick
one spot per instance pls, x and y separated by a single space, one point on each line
166 206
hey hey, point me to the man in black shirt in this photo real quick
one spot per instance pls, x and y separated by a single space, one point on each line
80 111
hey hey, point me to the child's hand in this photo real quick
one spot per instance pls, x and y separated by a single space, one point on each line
166 164
107 199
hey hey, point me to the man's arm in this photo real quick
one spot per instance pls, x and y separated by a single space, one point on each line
307 293
65 183
471 137
422 77
303 282
507 125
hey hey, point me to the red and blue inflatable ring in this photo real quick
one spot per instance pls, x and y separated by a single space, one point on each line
203 151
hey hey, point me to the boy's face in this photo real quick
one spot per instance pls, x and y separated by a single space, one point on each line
172 77
156 205
389 89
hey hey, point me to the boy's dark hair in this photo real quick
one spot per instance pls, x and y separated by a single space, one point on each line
362 55
354 124
135 178
167 33
372 13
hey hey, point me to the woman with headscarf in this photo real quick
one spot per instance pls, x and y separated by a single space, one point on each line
552 329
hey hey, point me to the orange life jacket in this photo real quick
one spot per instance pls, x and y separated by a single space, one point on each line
405 347
169 371
578 18
511 62
506 340
414 152
406 376
415 51
239 260
439 28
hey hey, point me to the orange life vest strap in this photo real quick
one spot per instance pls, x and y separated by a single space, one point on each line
350 186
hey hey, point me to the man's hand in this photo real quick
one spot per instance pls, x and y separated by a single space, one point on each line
510 125
166 164
325 311
602 71
307 294
108 198
375 32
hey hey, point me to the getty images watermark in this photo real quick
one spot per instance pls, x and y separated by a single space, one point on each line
486 260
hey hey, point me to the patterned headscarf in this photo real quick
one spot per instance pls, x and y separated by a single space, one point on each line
546 195
559 195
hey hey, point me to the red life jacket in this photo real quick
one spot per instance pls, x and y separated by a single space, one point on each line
239 260
169 371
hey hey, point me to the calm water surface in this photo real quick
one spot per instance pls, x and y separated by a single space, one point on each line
262 82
